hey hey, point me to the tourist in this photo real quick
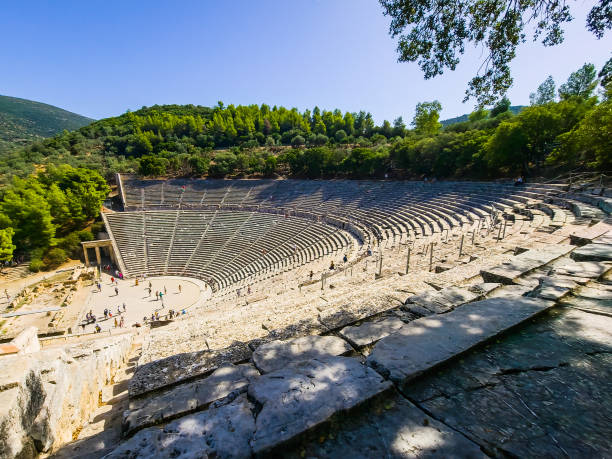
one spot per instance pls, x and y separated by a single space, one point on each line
136 282
332 266
116 291
83 326
149 291
112 280
121 322
249 290
345 258
152 317
311 274
124 307
183 312
99 287
369 251
7 295
115 322
165 291
156 295
161 296
118 311
180 288
105 313
98 328
150 285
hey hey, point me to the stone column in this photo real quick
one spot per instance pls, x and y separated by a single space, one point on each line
86 255
98 259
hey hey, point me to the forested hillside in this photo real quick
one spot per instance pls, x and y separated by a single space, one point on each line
43 213
24 121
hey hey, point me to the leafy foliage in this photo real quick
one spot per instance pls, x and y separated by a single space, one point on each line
435 33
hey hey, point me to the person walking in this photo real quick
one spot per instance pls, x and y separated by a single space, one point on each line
112 280
180 288
116 291
149 291
115 322
99 287
106 313
124 308
156 295
122 322
165 291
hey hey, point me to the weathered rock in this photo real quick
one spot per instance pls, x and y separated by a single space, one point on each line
593 252
188 397
27 341
583 269
181 367
391 427
338 317
370 332
428 342
512 291
441 301
308 393
277 354
484 288
222 432
508 272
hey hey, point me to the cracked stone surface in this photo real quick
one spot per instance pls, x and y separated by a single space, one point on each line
305 394
439 302
424 343
583 269
171 370
510 271
185 398
222 432
389 427
593 252
278 354
370 332
543 391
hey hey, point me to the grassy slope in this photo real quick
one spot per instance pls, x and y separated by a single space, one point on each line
23 121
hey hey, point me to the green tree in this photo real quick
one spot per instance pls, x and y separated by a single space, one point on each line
435 33
605 74
580 83
199 165
153 166
502 106
6 244
545 92
426 118
298 141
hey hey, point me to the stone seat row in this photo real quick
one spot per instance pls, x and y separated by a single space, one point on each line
217 246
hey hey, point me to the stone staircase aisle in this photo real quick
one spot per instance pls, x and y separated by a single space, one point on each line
103 432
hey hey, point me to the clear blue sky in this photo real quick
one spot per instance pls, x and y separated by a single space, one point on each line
100 58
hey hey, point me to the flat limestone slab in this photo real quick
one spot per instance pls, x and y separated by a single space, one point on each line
222 432
593 252
391 427
508 272
430 341
278 354
441 301
180 367
370 332
303 395
583 269
186 398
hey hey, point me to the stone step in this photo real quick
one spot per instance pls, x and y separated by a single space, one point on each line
179 368
186 398
439 302
425 343
277 354
593 252
509 272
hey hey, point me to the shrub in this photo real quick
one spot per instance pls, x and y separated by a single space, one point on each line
298 140
36 265
85 235
54 258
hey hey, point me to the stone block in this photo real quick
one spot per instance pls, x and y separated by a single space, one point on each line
185 398
223 432
369 332
425 343
278 354
182 367
27 341
484 288
593 252
583 269
305 394
439 302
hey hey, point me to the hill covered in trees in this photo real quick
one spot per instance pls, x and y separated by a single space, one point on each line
515 109
62 178
23 121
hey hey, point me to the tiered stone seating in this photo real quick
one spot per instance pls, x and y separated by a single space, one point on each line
377 210
220 247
